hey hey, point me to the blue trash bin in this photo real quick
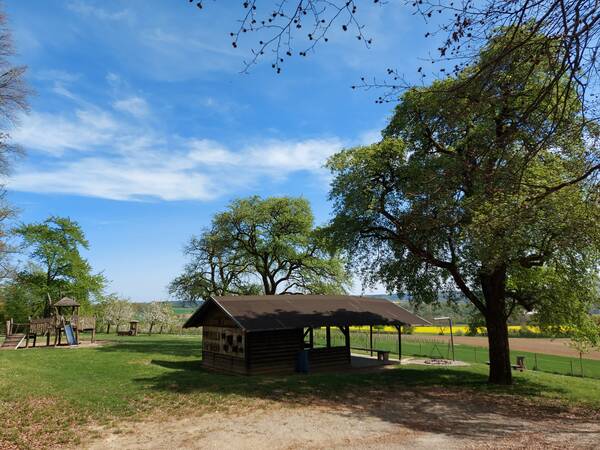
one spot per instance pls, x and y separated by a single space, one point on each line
302 361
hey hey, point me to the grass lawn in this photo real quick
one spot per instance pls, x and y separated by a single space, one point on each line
421 346
48 395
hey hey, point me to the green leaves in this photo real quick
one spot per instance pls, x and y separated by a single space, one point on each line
479 178
57 267
261 246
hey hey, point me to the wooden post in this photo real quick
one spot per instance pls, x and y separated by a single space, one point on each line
399 328
312 338
328 336
452 339
347 334
371 339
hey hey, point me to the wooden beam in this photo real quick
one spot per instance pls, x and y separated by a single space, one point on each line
399 328
347 333
328 336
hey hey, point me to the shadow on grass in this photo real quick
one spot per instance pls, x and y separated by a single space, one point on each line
457 402
154 346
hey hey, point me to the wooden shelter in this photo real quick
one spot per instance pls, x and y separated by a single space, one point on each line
133 329
268 334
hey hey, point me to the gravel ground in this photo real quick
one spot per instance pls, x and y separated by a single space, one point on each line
432 418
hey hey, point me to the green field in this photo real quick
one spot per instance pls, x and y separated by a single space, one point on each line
179 310
421 346
48 396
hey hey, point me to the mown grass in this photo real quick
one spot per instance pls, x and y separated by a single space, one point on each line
47 396
428 348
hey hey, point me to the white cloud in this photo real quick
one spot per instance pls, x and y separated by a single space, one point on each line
117 179
88 10
92 153
136 106
55 134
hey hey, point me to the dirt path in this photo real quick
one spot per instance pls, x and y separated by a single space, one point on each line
417 419
557 347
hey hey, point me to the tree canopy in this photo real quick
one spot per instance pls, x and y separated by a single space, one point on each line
261 246
114 310
480 186
57 267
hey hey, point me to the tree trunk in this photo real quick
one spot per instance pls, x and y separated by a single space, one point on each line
108 328
499 351
151 325
494 289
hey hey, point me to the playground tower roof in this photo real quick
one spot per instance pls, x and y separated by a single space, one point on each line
66 301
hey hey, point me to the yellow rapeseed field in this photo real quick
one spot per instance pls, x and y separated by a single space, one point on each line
458 329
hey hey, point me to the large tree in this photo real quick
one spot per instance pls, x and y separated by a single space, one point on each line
267 246
480 186
57 267
215 267
13 101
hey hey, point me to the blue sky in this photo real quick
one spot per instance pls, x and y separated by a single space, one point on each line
142 126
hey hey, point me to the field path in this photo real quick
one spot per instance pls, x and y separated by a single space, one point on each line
558 347
432 418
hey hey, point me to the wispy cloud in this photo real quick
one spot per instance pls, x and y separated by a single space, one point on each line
55 135
136 106
89 10
93 153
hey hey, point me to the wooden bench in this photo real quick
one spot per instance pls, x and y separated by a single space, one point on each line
382 355
520 365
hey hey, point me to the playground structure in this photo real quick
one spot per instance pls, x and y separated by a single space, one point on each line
65 319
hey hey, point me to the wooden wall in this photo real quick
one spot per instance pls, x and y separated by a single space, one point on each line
268 352
223 363
273 351
222 354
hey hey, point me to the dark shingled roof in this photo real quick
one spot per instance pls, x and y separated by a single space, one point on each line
66 301
273 312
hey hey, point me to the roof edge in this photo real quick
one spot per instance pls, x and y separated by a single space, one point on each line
189 323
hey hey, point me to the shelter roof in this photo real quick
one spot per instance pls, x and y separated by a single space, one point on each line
272 312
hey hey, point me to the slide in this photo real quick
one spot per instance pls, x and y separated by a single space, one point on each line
70 335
